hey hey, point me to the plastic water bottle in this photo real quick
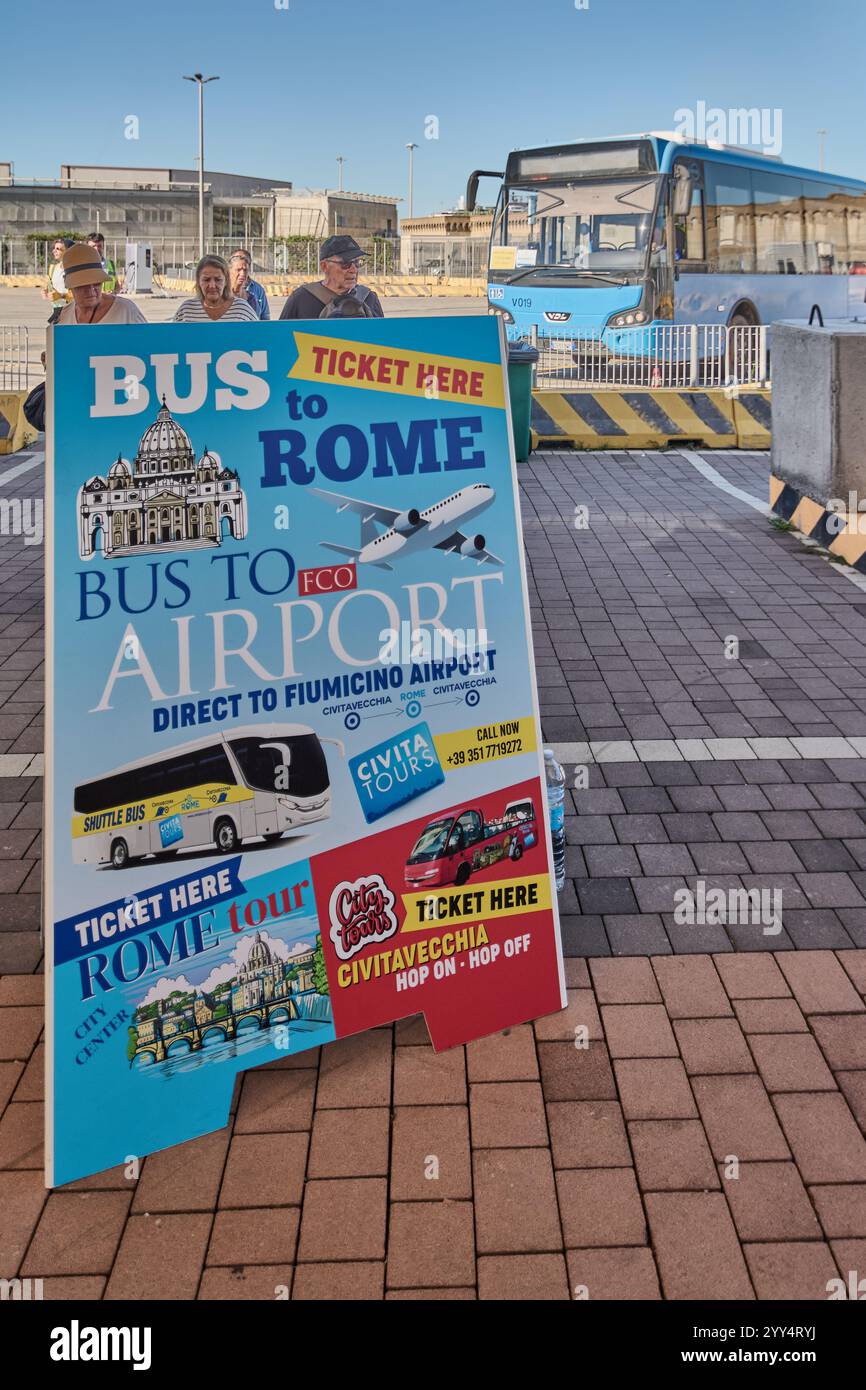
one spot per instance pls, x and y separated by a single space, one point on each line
555 778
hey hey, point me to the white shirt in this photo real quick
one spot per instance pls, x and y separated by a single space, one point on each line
122 311
193 311
58 277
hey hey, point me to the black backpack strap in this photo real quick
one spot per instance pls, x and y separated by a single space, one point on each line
319 292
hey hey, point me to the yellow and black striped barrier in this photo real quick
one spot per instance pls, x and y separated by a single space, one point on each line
15 430
842 533
618 418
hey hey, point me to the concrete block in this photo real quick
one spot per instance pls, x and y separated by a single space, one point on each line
819 409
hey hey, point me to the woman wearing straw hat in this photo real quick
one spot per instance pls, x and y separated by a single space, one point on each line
85 273
214 298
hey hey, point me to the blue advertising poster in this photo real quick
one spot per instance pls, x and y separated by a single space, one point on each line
294 775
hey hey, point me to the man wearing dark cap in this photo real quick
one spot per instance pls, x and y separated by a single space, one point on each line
340 262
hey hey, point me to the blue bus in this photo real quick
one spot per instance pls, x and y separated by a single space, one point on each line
592 238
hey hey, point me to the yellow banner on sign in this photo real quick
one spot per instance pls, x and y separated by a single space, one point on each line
506 897
486 743
503 257
334 362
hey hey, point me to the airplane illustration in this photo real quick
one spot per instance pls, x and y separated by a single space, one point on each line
413 530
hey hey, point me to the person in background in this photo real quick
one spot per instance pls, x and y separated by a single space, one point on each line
55 288
340 263
244 286
111 283
85 273
213 296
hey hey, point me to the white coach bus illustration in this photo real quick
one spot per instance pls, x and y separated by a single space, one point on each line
216 792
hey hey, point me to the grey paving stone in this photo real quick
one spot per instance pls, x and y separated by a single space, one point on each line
606 895
626 775
696 798
583 936
684 827
831 890
657 894
818 930
718 857
791 825
601 801
773 856
637 800
790 796
639 829
604 861
575 863
740 825
853 919
824 854
640 935
809 770
589 830
718 774
672 774
661 860
838 795
700 938
840 824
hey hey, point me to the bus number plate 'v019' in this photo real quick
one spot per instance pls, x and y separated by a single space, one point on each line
294 776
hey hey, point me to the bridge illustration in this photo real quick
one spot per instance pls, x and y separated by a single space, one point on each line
193 1034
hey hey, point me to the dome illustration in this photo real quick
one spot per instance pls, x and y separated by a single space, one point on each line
260 955
165 438
162 498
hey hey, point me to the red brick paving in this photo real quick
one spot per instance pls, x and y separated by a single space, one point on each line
704 1139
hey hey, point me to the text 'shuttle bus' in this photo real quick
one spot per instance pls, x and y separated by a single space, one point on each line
213 793
605 235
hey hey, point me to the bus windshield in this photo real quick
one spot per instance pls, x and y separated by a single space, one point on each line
262 762
431 842
604 225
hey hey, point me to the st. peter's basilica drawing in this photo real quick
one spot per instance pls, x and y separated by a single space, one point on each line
163 500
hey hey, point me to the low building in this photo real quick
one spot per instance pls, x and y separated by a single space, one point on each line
446 243
320 213
160 206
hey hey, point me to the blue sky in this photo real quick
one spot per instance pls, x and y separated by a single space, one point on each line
301 85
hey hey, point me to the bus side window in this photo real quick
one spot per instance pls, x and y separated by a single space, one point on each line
778 201
730 218
826 228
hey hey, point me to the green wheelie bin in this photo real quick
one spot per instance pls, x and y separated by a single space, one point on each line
522 357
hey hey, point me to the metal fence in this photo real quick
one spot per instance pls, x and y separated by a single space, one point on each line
16 368
176 258
680 356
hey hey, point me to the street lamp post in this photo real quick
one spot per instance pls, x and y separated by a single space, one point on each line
341 161
411 148
821 136
200 81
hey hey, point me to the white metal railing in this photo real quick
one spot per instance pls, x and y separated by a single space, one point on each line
15 368
681 356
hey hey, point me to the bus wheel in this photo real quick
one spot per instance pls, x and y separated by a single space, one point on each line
225 836
516 850
119 854
462 875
